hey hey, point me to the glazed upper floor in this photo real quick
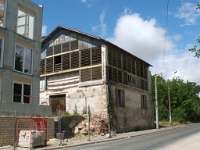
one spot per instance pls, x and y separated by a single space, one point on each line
22 17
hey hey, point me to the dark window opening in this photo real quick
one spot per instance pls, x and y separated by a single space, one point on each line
143 102
57 63
120 98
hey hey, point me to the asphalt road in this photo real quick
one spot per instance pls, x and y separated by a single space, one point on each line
183 138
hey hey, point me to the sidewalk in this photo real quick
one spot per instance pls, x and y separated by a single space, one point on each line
98 139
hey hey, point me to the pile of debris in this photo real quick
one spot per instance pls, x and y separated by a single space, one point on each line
97 124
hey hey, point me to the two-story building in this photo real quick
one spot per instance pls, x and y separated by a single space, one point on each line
78 69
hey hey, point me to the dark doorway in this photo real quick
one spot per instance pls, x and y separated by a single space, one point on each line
58 102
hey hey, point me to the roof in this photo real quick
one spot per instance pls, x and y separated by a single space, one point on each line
57 31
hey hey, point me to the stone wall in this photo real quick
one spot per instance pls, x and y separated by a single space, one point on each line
11 125
131 117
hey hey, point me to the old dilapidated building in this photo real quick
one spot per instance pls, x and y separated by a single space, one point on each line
79 69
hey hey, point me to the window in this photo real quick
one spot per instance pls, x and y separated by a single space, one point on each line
25 24
143 102
43 83
23 59
2 8
120 98
22 93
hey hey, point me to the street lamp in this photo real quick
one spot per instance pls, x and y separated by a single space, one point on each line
170 112
156 99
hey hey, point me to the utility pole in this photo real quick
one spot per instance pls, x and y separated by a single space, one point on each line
170 112
156 98
170 109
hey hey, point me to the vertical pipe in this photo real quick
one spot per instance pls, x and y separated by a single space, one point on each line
88 125
15 131
170 114
156 99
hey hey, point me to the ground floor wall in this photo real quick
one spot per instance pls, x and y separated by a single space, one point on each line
136 111
24 109
78 98
10 126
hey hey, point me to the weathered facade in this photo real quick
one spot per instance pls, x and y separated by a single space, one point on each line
78 70
20 44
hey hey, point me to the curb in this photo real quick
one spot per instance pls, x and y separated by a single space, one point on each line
114 139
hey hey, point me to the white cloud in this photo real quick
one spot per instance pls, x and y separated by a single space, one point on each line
84 1
44 30
177 37
143 38
188 12
102 25
183 62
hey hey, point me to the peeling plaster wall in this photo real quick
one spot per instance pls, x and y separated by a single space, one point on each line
94 96
131 117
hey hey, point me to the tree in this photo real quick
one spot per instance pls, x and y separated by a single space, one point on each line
195 49
185 102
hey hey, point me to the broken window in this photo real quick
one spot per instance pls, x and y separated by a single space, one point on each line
120 98
57 63
21 93
2 10
143 102
23 59
25 23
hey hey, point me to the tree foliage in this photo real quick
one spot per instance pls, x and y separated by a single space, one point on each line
195 49
185 102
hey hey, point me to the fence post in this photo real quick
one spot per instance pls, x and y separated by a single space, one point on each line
15 123
88 125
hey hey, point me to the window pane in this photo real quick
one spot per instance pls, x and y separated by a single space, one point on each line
17 92
19 58
28 61
25 24
31 26
21 22
27 93
1 12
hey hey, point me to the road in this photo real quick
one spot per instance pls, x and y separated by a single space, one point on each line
184 138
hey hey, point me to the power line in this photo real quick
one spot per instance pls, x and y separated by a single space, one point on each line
166 23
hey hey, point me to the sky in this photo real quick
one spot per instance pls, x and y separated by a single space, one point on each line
158 31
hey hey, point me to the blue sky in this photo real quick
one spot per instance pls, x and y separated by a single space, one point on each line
138 26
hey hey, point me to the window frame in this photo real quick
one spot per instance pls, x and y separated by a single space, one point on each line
26 33
24 56
120 102
22 92
144 104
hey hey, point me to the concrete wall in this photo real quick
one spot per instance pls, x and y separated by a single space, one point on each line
7 75
131 117
8 136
